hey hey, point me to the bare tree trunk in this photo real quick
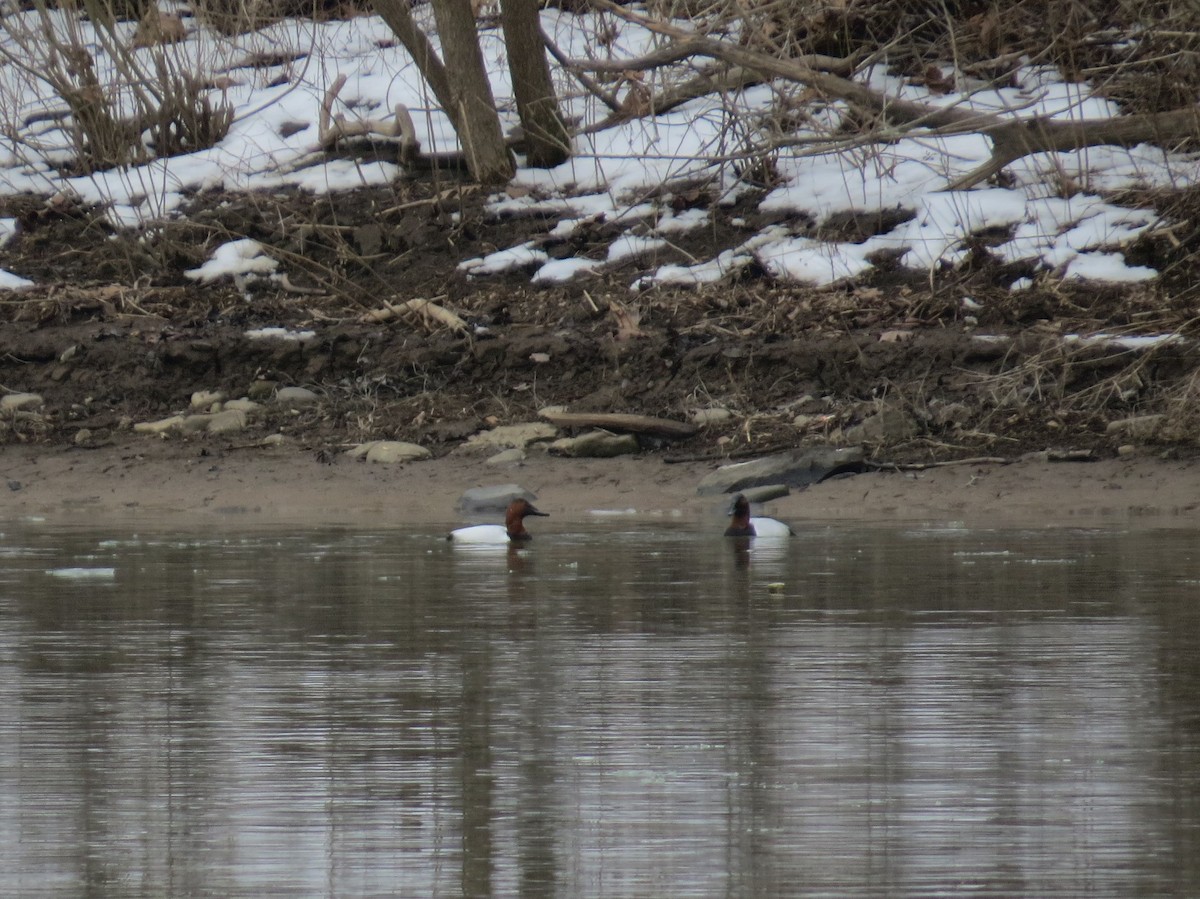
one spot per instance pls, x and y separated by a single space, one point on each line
459 83
488 158
545 131
398 16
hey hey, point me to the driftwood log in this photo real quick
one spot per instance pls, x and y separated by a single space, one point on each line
619 421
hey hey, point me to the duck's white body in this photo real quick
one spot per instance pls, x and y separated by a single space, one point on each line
770 527
481 533
512 531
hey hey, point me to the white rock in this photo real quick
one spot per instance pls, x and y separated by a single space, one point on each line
242 405
14 401
203 400
712 416
361 450
396 451
195 424
227 422
296 396
158 427
507 457
505 436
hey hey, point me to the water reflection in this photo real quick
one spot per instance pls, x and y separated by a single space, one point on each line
610 712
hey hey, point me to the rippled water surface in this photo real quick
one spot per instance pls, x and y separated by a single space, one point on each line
618 711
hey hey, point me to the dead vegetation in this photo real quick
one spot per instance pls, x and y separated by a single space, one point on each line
411 348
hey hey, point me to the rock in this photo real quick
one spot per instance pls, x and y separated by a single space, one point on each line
798 468
511 456
1126 449
1139 427
506 436
203 400
296 396
811 422
158 427
766 493
889 425
228 421
242 405
392 451
950 413
705 417
261 390
83 436
596 445
195 424
14 401
271 440
479 500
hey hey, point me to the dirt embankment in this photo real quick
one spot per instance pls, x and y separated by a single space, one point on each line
920 371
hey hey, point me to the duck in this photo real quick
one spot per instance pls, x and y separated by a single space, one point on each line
742 525
512 531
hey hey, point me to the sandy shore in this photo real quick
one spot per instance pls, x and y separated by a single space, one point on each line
184 485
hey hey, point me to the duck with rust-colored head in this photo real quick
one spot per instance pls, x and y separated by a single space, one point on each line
512 531
741 524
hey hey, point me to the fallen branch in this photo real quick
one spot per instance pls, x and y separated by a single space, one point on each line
427 311
619 421
332 129
1011 139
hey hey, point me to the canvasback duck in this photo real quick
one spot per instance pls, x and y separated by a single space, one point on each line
512 531
742 525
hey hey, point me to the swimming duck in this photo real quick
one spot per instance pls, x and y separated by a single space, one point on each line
742 525
512 531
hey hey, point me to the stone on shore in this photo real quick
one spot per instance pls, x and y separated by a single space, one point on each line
481 500
519 436
715 415
162 426
511 456
16 401
227 421
889 425
388 451
798 468
204 400
296 397
596 445
766 493
1139 427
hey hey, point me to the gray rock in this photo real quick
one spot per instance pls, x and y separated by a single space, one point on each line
950 413
195 424
511 456
392 451
886 426
158 427
203 400
296 396
596 445
798 468
1139 427
480 500
228 421
14 401
261 390
766 493
506 436
704 417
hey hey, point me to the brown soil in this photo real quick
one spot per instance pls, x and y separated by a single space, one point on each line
116 335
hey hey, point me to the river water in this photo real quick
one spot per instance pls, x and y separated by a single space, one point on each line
620 710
